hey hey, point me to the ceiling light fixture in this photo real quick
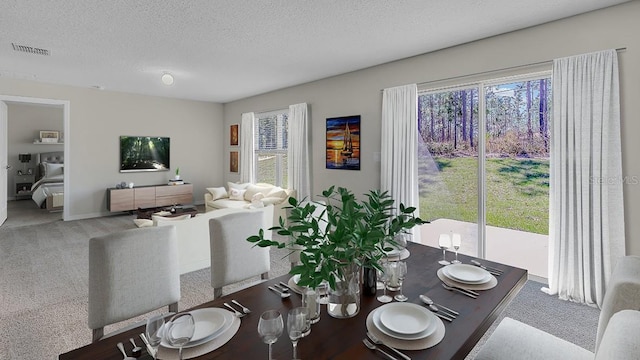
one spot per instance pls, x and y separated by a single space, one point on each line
167 79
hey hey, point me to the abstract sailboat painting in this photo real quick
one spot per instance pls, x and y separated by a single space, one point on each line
343 143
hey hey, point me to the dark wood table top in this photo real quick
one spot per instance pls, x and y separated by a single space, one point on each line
342 338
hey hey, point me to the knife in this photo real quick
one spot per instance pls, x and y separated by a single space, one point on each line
150 350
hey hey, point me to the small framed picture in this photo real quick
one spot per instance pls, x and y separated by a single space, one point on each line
50 136
233 161
233 135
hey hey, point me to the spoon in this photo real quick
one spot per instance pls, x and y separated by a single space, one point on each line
379 342
282 294
427 300
126 357
137 350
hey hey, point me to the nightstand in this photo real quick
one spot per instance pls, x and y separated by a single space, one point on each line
23 185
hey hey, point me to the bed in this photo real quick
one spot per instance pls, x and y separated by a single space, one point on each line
48 190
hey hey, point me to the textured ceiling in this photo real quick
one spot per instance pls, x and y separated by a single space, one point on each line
226 50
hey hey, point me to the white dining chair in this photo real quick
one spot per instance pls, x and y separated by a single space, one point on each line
233 258
618 326
131 273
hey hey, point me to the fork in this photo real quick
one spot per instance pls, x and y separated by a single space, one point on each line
377 341
373 347
459 290
236 312
244 308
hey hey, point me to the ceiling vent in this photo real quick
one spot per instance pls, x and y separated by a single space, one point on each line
30 49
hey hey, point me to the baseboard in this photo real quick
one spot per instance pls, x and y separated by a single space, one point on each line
538 279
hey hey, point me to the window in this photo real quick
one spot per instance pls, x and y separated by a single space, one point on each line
483 156
270 144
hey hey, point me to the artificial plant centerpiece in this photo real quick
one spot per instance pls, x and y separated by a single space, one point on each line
337 238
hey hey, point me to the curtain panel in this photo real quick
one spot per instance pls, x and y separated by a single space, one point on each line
586 217
247 156
399 147
298 153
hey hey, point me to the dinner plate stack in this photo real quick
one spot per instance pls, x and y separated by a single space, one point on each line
406 326
467 276
213 328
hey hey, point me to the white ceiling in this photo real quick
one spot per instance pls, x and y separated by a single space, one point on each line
226 50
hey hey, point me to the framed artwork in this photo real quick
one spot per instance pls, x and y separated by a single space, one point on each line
233 162
49 136
233 135
343 143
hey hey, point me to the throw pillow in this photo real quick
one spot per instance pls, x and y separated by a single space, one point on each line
51 170
143 222
278 192
232 185
218 192
236 194
256 189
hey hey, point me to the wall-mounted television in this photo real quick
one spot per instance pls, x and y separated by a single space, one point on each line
144 153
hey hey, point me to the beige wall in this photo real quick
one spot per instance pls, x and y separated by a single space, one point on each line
359 92
98 118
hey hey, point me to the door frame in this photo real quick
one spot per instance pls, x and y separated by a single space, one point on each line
66 105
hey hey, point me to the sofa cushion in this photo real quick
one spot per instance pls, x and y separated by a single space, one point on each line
255 189
272 200
228 203
218 192
277 192
236 194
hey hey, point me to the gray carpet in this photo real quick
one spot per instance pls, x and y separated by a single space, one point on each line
43 290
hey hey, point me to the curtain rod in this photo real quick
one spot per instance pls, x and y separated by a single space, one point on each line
493 71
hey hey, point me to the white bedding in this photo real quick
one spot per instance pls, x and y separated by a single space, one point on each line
44 187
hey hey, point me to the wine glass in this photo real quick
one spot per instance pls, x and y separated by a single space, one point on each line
456 241
297 320
180 330
270 327
402 273
384 275
444 242
154 332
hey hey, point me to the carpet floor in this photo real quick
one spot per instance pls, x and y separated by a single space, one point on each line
43 290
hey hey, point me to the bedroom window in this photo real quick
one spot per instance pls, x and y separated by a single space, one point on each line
270 144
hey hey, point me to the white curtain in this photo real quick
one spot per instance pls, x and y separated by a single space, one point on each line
298 153
399 148
247 156
586 217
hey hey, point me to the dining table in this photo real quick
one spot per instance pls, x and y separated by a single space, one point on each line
333 338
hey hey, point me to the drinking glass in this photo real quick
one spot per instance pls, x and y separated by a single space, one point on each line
383 275
456 241
311 300
323 292
296 325
154 332
402 273
180 330
444 242
270 327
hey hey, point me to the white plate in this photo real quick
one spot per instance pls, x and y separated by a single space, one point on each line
296 278
210 323
483 281
466 273
404 318
421 335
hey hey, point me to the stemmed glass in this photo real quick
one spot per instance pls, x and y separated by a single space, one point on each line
180 330
444 242
270 327
296 326
402 273
154 332
456 241
384 275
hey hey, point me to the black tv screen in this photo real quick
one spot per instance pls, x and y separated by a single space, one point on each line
144 153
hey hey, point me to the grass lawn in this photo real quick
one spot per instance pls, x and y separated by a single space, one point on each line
517 191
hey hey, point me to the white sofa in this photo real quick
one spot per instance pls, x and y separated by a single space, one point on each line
193 236
248 196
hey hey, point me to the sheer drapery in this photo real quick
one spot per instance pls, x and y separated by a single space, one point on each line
399 148
298 153
586 217
247 156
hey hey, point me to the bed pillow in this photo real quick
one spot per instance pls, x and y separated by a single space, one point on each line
218 192
51 169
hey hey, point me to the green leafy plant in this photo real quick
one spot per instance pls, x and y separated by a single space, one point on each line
343 232
178 171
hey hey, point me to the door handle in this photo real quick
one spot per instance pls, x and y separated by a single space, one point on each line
8 167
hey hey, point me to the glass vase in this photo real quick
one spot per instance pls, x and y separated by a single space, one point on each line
344 300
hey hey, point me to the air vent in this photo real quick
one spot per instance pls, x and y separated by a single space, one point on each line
30 49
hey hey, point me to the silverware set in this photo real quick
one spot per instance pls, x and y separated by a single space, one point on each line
283 294
491 270
245 310
377 341
440 311
467 292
